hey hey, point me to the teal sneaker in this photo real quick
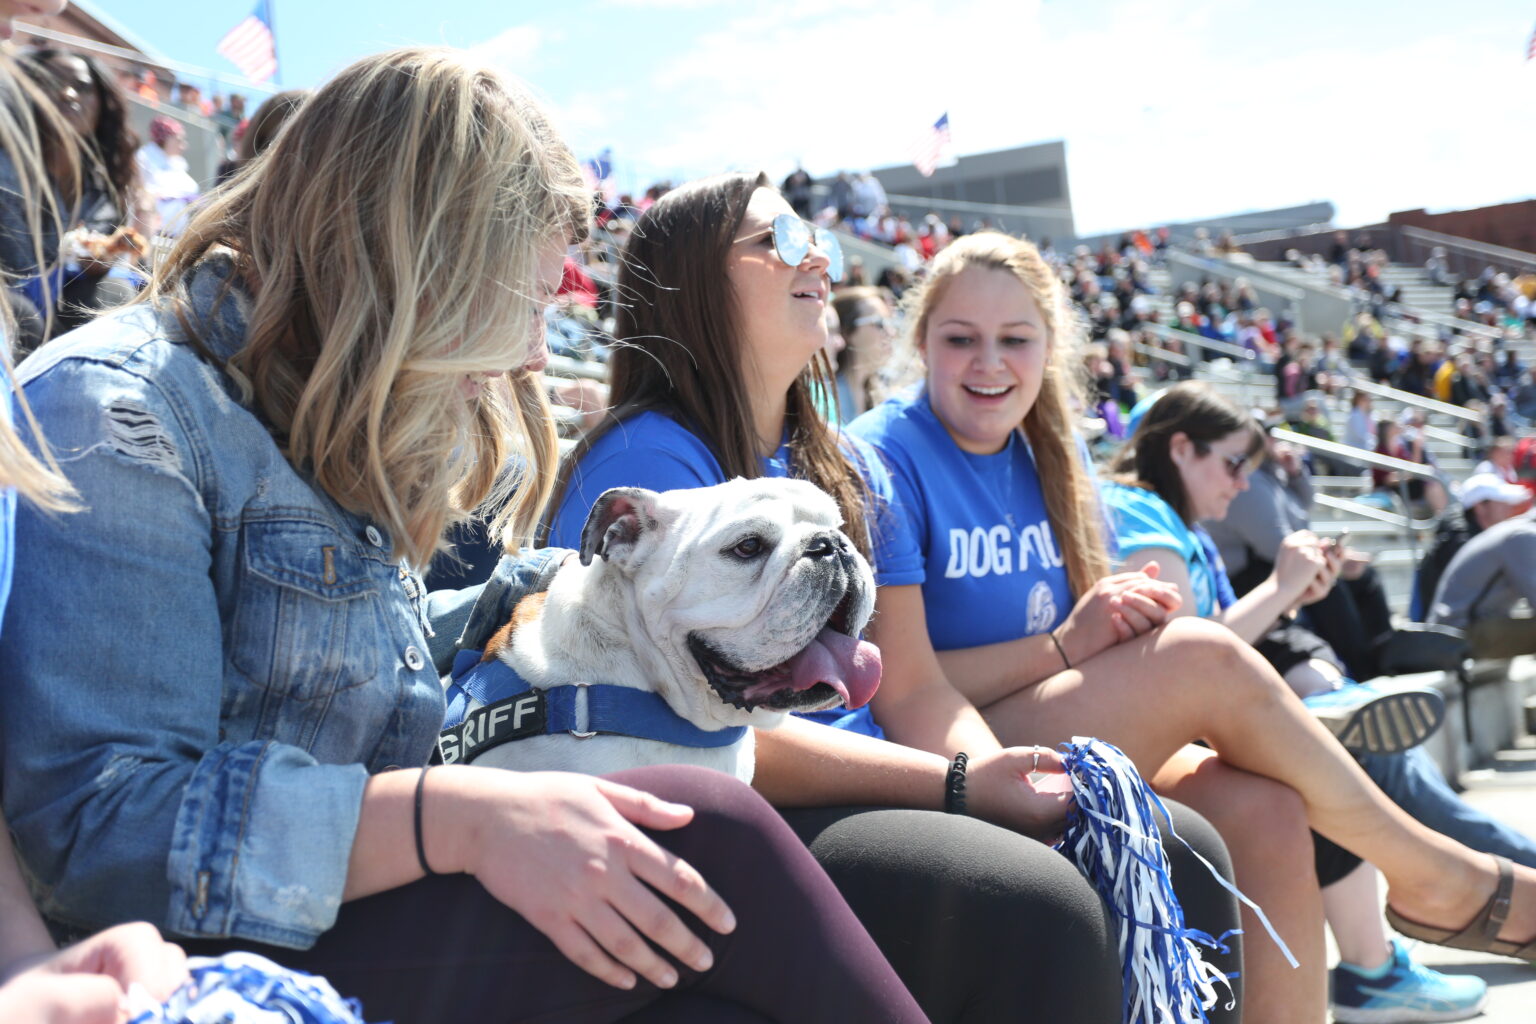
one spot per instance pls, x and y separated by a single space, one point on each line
1402 991
1375 719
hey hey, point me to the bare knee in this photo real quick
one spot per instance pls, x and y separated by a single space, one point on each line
1265 822
1209 654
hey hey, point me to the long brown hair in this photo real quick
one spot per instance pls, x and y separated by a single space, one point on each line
1071 499
680 349
1190 408
391 235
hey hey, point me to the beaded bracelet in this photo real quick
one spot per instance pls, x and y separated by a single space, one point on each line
954 785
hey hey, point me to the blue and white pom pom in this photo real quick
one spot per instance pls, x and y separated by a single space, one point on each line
1113 839
243 988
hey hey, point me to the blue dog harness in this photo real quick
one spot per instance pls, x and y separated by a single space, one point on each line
514 710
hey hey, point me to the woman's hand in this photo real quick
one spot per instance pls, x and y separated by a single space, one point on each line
565 852
1327 576
1355 563
1000 790
1116 609
1298 564
87 983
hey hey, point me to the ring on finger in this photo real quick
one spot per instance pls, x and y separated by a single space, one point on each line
1034 766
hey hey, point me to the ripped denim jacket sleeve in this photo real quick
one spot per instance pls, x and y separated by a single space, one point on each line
201 668
465 619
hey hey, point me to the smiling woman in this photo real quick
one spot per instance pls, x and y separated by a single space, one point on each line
722 339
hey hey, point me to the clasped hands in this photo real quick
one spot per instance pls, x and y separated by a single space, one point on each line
1117 608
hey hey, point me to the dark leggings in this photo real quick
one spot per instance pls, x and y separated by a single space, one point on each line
442 949
984 924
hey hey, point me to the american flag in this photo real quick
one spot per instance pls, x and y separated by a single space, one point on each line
1530 48
251 45
931 151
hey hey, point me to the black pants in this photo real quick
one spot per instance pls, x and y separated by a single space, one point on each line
1353 617
984 924
441 949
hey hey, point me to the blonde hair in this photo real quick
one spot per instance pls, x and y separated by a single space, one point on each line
35 477
391 235
1071 499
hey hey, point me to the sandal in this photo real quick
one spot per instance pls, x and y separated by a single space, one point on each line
1482 934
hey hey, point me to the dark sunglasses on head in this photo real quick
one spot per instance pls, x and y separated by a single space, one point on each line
793 238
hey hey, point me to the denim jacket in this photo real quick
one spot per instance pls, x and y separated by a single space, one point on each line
200 670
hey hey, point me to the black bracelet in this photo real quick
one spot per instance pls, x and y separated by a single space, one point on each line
954 785
421 849
1057 641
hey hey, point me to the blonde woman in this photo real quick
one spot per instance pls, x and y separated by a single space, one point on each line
1009 632
87 982
228 738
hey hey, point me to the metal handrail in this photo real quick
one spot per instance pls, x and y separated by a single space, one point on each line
1408 398
1284 289
1350 452
1166 355
1368 511
1447 437
1257 237
1226 348
1482 250
1402 467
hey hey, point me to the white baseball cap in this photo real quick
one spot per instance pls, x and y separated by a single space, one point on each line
1481 487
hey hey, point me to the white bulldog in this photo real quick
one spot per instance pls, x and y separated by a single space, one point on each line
734 604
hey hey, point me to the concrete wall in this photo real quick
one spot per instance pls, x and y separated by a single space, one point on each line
1027 176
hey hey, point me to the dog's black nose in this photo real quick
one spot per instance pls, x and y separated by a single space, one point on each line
825 545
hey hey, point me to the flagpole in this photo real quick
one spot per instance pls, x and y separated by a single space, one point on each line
277 76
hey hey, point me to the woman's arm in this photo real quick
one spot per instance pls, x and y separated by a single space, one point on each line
565 851
1115 609
22 934
806 764
915 703
1297 566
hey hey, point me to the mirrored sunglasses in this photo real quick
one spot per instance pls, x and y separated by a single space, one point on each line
872 321
793 238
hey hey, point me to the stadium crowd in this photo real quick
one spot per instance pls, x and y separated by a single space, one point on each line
242 455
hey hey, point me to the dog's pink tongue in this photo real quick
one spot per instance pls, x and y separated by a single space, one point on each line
849 666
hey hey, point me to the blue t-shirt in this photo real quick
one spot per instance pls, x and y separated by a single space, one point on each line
992 569
1142 519
654 451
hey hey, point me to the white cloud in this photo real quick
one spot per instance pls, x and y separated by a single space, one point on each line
1169 110
518 49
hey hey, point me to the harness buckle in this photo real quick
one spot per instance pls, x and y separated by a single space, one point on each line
583 717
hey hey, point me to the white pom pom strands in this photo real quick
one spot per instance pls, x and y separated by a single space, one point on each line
1113 839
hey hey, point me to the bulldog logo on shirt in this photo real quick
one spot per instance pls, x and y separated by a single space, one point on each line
1042 609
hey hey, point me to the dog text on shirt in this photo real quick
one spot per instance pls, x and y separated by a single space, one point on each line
997 552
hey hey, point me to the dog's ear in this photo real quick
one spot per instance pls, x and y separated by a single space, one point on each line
619 518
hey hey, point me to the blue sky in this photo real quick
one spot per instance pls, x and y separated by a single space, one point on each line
1171 109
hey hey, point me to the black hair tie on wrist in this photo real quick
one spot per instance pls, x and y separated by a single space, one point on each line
1059 650
954 785
421 849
